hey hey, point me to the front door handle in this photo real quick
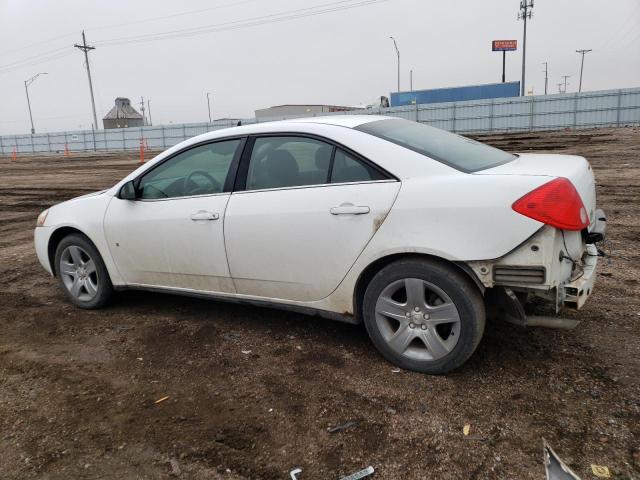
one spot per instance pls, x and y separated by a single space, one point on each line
204 215
349 209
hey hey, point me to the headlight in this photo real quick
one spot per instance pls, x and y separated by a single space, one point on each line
41 218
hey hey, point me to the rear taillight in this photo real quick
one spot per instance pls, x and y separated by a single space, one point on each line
556 203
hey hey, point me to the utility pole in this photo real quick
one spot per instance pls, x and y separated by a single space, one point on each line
209 106
411 80
149 109
144 119
26 89
582 52
85 48
398 54
559 87
565 82
546 76
524 14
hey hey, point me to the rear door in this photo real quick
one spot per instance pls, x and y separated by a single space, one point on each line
302 212
172 234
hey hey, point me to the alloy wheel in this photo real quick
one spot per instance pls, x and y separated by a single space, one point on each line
417 319
79 274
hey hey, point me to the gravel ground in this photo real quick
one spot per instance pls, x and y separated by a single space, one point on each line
78 388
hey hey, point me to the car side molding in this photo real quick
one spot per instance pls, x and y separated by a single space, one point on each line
305 310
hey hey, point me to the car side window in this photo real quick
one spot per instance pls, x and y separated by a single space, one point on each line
278 162
200 170
346 168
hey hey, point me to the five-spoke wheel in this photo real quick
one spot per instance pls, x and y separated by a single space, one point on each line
78 272
81 272
423 316
418 319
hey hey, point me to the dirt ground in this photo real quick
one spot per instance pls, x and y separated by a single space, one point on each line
77 388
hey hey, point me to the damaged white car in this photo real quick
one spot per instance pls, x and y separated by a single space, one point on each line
415 231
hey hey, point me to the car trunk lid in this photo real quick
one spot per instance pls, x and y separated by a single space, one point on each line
574 168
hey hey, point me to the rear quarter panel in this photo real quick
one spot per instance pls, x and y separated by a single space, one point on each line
458 217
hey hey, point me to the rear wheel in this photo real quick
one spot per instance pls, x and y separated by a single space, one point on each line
423 316
82 273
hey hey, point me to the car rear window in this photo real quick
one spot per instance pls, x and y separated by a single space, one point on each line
454 150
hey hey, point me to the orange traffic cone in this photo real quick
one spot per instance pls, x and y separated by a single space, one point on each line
66 150
13 155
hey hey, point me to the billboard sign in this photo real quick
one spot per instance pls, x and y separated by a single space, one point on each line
504 45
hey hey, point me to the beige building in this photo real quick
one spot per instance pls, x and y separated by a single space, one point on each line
280 111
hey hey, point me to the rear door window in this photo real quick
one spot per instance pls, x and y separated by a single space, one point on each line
288 161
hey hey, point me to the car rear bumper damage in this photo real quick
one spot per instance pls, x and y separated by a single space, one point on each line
553 267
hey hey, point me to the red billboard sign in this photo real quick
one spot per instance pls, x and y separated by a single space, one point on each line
504 45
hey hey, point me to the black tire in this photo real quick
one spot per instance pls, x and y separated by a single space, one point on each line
461 292
99 276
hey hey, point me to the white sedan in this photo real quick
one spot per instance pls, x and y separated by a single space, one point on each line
415 231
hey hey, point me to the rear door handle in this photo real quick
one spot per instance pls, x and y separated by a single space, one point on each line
349 209
204 215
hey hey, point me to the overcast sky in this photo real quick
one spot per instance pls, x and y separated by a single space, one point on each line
342 57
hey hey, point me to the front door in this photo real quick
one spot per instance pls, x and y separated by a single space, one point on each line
172 234
307 211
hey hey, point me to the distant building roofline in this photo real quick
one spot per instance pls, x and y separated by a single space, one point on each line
306 105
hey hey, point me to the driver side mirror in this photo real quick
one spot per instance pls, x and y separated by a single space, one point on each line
128 191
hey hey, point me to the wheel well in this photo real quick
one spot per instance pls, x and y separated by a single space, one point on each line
371 270
55 239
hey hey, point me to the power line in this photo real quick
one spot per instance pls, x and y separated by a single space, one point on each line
173 15
34 57
242 23
225 26
135 22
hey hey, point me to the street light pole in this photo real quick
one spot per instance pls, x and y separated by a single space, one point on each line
524 14
26 89
209 106
398 54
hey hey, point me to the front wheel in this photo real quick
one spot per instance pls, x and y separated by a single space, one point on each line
82 273
423 316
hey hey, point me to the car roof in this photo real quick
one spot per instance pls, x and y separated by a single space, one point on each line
348 121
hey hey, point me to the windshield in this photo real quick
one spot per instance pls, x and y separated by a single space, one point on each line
454 150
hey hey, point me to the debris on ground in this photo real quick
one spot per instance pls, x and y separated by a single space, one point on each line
361 474
554 467
344 426
293 473
466 429
175 468
160 400
600 471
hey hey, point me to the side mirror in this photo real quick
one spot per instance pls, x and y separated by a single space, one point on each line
128 191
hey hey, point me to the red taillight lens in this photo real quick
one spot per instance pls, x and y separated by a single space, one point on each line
556 203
